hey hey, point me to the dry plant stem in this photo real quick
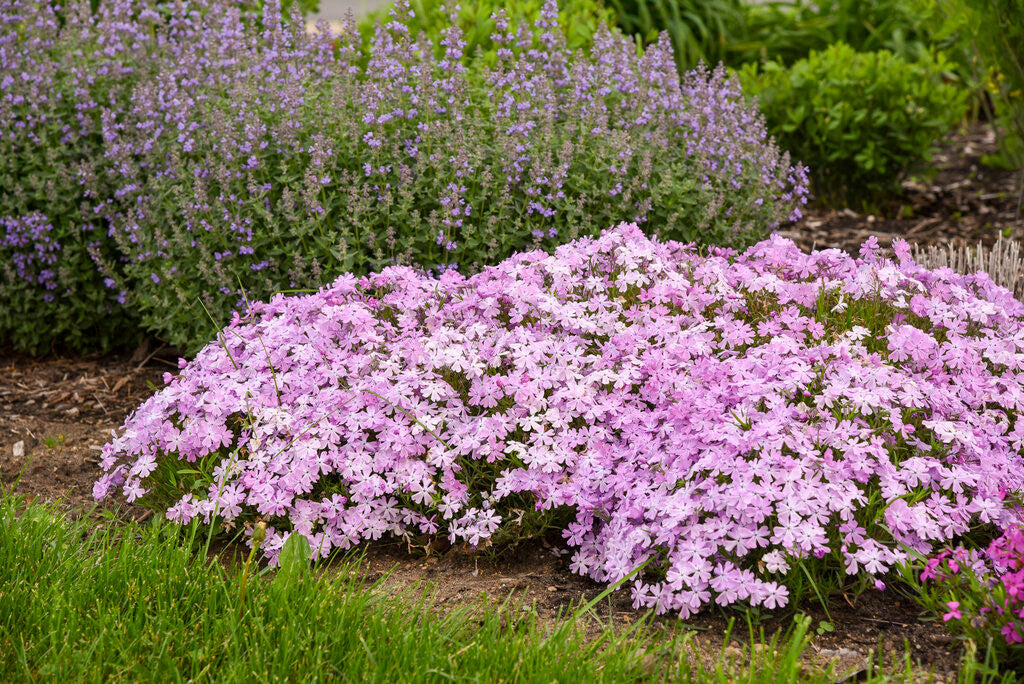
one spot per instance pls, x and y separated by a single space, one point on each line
258 535
1002 261
1020 200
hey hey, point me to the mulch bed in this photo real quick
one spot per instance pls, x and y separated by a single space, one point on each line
963 201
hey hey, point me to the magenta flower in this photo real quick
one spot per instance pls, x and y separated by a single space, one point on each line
954 611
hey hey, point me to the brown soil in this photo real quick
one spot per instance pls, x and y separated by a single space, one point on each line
963 201
56 413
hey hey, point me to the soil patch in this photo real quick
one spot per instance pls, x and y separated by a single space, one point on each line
56 413
962 200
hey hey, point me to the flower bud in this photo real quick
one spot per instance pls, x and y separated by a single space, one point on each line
259 533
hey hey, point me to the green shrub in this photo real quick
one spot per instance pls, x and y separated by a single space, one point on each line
860 121
996 41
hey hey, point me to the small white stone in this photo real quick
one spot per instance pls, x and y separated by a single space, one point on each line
19 449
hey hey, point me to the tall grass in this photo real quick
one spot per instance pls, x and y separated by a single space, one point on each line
700 30
736 32
87 601
80 602
788 30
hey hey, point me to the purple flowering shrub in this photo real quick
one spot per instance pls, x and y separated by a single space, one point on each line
724 418
161 157
263 158
980 594
60 68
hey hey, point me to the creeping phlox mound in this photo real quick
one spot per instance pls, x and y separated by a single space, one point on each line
723 417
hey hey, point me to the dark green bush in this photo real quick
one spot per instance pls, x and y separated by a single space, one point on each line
860 121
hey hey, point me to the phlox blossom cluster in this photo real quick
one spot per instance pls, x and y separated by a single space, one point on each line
988 586
720 417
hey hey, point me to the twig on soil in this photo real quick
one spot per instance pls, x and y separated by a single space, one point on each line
146 360
888 622
100 404
926 223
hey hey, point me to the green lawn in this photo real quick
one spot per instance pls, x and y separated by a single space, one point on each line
82 600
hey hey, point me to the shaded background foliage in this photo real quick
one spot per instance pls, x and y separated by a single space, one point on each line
429 19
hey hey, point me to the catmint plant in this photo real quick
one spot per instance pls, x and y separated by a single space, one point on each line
61 67
261 159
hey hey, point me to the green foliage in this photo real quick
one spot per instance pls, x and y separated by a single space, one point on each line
51 161
79 314
788 31
294 559
255 7
578 20
700 30
1002 45
81 601
305 6
995 30
736 32
861 121
958 589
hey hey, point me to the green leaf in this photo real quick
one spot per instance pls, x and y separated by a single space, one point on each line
294 558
